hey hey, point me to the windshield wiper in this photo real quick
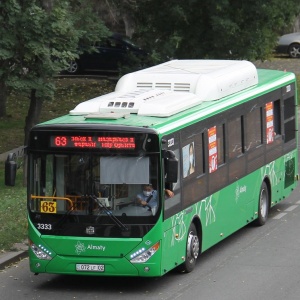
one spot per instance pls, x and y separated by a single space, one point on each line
109 213
57 225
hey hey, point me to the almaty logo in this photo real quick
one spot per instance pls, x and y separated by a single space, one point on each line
79 247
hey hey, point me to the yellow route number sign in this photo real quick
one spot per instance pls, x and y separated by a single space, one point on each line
48 207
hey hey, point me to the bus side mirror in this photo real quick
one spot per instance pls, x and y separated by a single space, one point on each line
171 167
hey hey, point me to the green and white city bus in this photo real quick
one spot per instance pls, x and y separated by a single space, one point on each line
220 134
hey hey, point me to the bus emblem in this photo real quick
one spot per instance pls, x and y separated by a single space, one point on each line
79 247
90 230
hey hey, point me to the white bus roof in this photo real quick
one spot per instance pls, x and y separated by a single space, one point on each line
171 87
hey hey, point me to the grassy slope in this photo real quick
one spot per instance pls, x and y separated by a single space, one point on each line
13 225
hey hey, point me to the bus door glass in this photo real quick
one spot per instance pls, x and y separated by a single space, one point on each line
173 205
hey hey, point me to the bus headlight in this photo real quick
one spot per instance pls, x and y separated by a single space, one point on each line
40 251
143 255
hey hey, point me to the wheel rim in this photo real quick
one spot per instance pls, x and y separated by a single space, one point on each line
73 67
192 247
295 51
263 203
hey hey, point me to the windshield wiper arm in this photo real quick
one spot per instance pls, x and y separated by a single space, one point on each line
109 213
56 226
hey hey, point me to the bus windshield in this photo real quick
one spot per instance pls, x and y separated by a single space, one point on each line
91 194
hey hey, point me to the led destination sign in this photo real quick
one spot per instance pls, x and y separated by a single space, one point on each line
103 142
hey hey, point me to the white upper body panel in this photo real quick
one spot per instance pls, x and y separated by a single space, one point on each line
171 87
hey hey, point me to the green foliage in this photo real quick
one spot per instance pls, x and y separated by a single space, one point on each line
87 22
30 38
214 29
38 40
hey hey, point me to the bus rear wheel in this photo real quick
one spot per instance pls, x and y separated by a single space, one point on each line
263 205
192 251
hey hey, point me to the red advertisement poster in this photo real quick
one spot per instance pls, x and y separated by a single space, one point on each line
270 122
212 149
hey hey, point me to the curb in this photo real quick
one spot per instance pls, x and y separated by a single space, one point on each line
8 258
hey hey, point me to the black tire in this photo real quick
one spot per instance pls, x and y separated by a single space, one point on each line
192 251
263 205
294 50
73 67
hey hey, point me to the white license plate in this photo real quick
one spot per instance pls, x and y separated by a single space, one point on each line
89 268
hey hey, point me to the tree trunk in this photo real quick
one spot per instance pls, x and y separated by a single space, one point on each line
3 98
129 24
35 107
33 116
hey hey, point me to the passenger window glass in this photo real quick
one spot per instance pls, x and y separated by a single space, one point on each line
235 137
220 144
277 120
289 119
253 129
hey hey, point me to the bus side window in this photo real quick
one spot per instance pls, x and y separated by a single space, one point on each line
253 134
277 119
221 144
289 119
235 137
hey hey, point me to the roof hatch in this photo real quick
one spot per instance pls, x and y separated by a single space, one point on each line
171 87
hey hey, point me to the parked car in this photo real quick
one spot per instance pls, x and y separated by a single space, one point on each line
110 55
289 44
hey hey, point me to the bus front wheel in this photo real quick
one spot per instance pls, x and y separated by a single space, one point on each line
192 250
263 205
